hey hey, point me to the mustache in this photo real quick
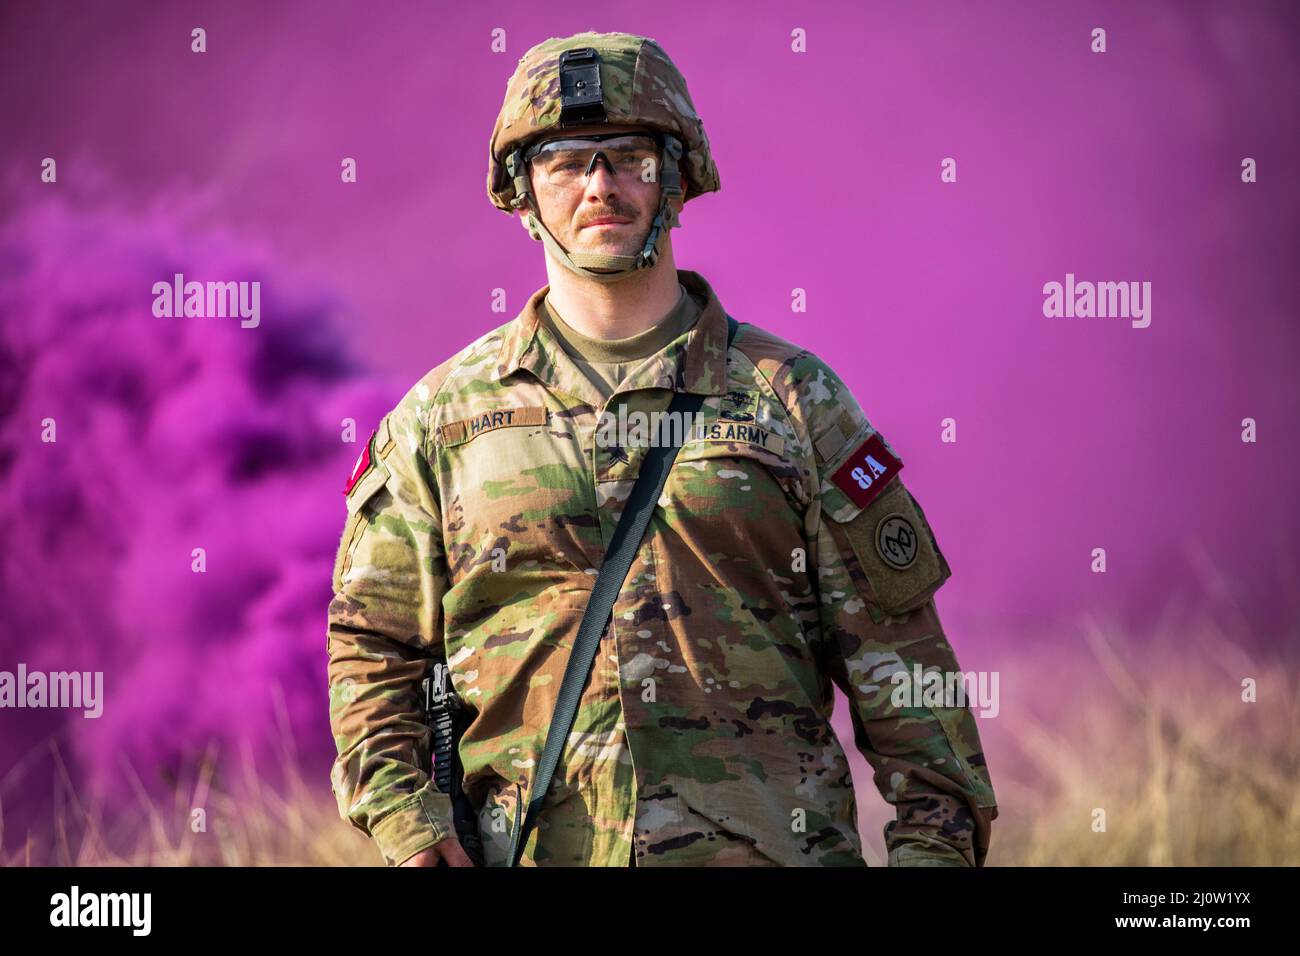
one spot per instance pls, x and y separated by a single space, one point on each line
621 213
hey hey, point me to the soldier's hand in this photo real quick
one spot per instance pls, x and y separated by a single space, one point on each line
446 852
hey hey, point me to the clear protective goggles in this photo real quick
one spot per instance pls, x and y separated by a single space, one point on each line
567 163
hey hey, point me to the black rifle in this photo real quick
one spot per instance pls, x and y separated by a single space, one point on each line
448 716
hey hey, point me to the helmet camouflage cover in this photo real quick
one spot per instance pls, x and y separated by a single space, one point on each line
640 85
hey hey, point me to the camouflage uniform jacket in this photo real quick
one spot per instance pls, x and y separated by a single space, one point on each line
784 556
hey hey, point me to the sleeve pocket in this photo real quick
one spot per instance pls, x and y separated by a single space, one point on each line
365 489
894 545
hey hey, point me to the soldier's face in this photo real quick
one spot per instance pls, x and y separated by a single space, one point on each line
610 214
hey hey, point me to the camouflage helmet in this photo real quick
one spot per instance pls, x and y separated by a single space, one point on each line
592 78
641 86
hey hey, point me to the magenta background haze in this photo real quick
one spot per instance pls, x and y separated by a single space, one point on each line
926 297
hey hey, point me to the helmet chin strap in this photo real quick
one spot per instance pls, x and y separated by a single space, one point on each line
619 267
615 267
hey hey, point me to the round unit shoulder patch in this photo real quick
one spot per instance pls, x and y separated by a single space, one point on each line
896 541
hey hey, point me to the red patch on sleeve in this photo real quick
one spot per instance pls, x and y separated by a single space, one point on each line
360 468
866 472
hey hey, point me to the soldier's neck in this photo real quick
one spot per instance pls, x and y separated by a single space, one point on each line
614 310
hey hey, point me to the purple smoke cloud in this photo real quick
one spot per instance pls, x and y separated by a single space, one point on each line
171 434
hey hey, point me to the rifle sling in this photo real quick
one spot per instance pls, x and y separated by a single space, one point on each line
623 546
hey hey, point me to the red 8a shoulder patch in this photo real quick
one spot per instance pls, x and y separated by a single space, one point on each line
865 473
361 467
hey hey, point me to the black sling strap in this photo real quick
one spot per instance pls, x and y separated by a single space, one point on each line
609 581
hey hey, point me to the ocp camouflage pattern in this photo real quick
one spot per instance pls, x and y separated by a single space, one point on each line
703 736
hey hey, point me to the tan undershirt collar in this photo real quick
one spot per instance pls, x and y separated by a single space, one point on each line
680 318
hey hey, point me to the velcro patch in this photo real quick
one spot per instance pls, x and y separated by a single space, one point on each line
740 432
865 473
896 549
455 433
362 465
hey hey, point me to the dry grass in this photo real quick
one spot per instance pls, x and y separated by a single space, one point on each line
1186 772
245 823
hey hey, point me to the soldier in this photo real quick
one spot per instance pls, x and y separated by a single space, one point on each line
783 556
